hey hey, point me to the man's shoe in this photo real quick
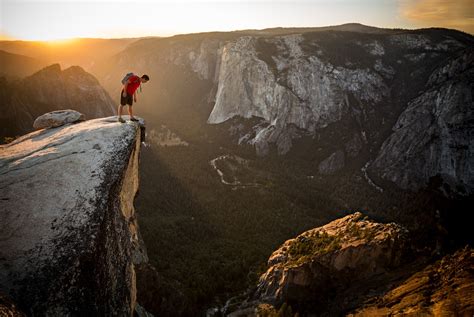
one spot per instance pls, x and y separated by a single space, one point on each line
121 120
133 119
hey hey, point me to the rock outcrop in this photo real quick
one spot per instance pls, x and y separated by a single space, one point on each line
332 164
57 118
69 237
434 136
444 288
47 90
305 271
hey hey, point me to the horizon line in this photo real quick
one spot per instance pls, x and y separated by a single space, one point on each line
7 38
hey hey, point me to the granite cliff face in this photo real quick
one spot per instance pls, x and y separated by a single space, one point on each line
69 239
434 136
51 89
291 87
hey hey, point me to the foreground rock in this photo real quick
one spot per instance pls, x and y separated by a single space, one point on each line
309 270
68 237
8 308
57 118
445 288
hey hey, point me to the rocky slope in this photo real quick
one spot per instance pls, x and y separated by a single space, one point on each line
51 89
69 239
356 267
434 136
444 288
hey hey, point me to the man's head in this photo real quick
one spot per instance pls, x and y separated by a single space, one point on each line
145 78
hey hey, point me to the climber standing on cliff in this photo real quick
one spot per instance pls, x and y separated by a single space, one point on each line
131 82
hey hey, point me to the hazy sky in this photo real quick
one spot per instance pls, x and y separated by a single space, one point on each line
46 20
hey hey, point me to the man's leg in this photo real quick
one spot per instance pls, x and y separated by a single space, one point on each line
130 112
119 111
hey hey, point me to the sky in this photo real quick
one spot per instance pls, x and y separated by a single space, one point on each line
53 20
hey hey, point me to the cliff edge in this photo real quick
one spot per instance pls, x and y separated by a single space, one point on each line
69 237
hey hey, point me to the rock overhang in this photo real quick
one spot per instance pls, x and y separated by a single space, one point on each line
56 187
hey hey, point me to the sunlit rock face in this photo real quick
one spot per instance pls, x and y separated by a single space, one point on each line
294 88
341 260
318 261
51 89
311 81
444 288
69 237
300 84
434 136
57 118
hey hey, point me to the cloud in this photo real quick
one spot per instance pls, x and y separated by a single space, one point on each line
456 14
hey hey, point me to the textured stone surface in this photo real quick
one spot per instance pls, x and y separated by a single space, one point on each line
444 288
434 136
68 235
304 269
57 118
332 164
303 90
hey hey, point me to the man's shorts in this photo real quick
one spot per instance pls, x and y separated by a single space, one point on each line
126 100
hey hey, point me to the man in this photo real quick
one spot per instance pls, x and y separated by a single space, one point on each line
129 90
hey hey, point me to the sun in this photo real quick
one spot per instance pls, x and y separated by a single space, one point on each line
50 39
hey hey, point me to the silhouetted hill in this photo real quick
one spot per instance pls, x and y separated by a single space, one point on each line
51 89
18 66
84 52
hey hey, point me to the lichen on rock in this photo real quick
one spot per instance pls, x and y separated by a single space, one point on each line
307 269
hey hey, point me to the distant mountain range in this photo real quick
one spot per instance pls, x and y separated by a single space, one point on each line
84 52
18 66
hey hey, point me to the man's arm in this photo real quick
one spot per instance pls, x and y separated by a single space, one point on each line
135 96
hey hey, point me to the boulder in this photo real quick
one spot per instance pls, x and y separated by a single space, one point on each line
57 118
69 237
